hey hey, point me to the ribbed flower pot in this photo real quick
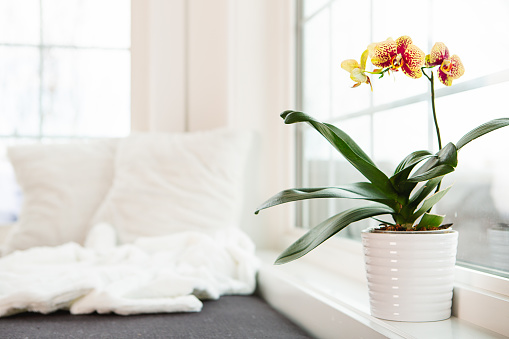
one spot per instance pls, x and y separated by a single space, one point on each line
410 274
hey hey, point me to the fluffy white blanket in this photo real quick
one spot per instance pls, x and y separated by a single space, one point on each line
160 274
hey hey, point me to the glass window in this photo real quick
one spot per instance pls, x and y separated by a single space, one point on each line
64 73
395 119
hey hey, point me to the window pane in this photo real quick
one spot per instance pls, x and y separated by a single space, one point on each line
324 166
19 21
311 6
397 86
315 173
64 71
316 72
395 18
89 23
412 20
85 92
19 90
399 132
478 201
348 46
359 129
479 27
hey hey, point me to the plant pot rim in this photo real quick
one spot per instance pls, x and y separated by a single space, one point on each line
374 230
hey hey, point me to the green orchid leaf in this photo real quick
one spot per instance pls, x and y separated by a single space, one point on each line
420 195
440 164
412 159
318 234
291 117
399 179
448 155
360 190
429 203
482 130
350 142
428 165
429 221
438 171
383 222
348 148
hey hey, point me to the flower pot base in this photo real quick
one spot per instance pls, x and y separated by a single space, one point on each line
410 274
412 316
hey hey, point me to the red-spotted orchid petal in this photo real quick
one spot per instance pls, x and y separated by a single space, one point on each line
382 53
401 53
413 57
438 53
451 67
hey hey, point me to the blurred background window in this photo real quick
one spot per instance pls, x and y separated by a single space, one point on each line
64 74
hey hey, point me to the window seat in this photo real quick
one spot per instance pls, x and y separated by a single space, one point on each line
228 317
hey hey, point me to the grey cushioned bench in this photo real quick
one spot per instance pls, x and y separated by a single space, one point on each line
228 317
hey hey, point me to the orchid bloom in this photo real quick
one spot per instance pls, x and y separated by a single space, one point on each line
357 72
450 66
401 53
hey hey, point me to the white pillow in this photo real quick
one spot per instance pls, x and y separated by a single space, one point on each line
63 185
167 183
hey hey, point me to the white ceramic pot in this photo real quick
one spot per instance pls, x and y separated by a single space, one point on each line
410 274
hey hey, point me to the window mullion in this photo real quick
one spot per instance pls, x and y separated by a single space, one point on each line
332 163
480 82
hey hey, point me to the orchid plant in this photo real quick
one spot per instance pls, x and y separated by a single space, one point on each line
409 194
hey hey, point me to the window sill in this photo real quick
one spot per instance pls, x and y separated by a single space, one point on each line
325 302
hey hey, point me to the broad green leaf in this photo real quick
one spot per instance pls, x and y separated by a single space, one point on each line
291 117
481 130
448 155
412 159
346 138
348 148
430 220
434 172
429 164
318 234
430 202
420 195
399 179
383 221
360 190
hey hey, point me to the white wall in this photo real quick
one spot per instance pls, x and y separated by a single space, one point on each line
158 58
202 64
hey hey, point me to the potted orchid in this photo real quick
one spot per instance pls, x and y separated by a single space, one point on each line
416 238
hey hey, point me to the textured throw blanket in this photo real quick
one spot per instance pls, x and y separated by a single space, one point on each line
160 274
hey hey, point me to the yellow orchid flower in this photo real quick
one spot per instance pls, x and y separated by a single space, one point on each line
401 53
450 68
356 70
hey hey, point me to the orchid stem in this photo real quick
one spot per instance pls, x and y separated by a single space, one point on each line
432 82
434 111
